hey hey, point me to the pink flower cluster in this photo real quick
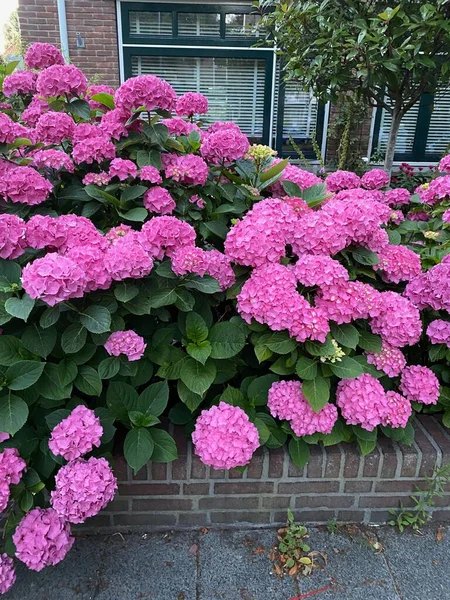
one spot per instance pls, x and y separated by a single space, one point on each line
12 236
77 434
342 180
93 149
420 384
122 169
223 146
375 179
52 159
190 104
41 55
397 197
12 467
304 179
431 289
159 201
20 82
439 332
42 538
7 573
189 169
444 165
59 80
113 124
25 185
390 360
54 127
316 270
224 437
398 263
148 91
150 174
35 109
178 126
93 90
161 236
398 321
128 343
128 258
190 259
286 401
83 488
438 189
364 402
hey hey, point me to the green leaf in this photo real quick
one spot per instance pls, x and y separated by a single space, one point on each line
318 349
278 437
370 342
150 158
121 399
10 274
50 385
437 352
124 292
39 341
226 340
315 194
96 319
50 316
299 452
196 329
163 297
180 414
258 389
24 374
197 377
200 351
20 307
185 301
10 350
132 192
67 370
191 400
262 353
137 215
55 418
205 284
165 448
366 446
292 189
317 392
73 338
139 419
138 448
274 170
403 436
306 368
263 431
109 367
279 342
153 400
346 334
88 381
394 237
347 368
105 99
79 108
363 434
13 414
363 256
233 396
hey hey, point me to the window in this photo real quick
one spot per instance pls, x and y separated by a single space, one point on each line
150 23
198 24
406 133
438 139
241 25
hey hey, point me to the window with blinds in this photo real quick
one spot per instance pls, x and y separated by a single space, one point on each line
150 23
300 112
198 24
241 25
438 139
406 134
233 86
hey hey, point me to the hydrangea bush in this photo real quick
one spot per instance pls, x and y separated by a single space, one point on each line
156 267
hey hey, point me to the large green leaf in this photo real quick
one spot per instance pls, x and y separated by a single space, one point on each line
226 340
306 368
196 329
11 350
121 399
299 452
88 381
200 351
346 334
197 377
124 292
278 341
105 99
365 257
20 307
163 298
39 341
205 284
189 398
153 400
109 367
319 349
347 368
10 273
50 385
317 392
13 414
73 338
24 374
370 342
138 448
165 448
96 319
259 388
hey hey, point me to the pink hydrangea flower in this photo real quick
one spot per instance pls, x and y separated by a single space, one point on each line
224 146
54 127
190 104
287 401
12 236
7 573
189 169
189 259
122 169
312 270
112 124
77 434
41 55
52 159
93 149
398 321
375 179
83 488
35 109
91 260
438 332
345 302
362 401
53 279
431 289
20 82
398 263
84 131
444 164
446 216
42 538
8 129
397 197
150 174
163 235
145 90
298 205
178 126
99 179
59 80
419 215
224 437
195 199
342 180
158 200
261 236
12 466
4 437
128 343
63 232
128 258
399 410
304 179
438 189
5 493
25 185
43 231
390 360
117 233
93 90
420 384
220 268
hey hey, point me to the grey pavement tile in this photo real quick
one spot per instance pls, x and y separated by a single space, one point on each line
419 563
234 567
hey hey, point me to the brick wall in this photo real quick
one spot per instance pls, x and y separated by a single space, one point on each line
337 482
96 22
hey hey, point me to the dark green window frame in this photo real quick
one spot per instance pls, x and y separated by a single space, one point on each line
418 153
176 9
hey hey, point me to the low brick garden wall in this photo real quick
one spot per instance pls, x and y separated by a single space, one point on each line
337 483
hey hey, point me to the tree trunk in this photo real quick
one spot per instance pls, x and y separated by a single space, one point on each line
393 133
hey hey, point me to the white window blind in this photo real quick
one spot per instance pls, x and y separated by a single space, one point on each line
198 24
233 86
300 112
438 138
241 25
151 23
407 131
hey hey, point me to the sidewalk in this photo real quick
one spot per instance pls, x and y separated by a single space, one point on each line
230 565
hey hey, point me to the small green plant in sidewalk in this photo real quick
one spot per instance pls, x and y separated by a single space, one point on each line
424 501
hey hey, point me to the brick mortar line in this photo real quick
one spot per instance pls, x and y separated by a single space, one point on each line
432 442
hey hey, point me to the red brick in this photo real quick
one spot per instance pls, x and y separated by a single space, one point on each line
196 489
358 487
144 519
324 501
246 503
243 488
149 489
276 462
309 487
240 517
161 504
